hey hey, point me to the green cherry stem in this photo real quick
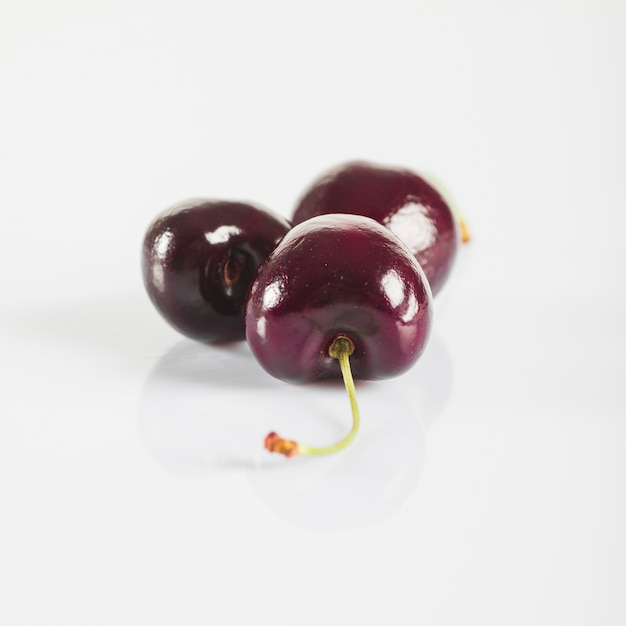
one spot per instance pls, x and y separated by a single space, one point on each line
340 349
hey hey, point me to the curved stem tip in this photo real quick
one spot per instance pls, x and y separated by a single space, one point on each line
341 348
465 235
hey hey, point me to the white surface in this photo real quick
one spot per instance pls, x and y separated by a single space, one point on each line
488 484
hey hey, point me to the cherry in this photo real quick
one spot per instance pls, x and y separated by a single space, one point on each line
339 295
400 200
199 258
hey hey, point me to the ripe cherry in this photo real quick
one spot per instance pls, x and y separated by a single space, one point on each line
340 294
199 258
400 200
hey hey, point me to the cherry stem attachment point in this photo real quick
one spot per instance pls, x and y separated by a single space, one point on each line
341 348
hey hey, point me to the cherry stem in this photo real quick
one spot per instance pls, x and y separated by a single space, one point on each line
465 234
232 269
340 349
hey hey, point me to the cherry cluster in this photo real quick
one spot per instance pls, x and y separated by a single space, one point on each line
345 290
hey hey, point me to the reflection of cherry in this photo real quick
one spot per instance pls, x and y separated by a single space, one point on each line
398 199
188 429
199 258
340 295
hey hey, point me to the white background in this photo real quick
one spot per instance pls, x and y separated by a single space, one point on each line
488 484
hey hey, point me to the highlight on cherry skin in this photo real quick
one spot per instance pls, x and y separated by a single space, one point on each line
397 198
198 260
340 296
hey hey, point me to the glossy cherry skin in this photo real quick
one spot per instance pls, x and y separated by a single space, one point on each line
338 275
397 198
199 258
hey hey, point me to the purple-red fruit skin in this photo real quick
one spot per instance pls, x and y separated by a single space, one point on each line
199 258
338 275
396 198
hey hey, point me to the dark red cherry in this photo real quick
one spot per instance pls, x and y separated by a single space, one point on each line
338 276
199 258
397 198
